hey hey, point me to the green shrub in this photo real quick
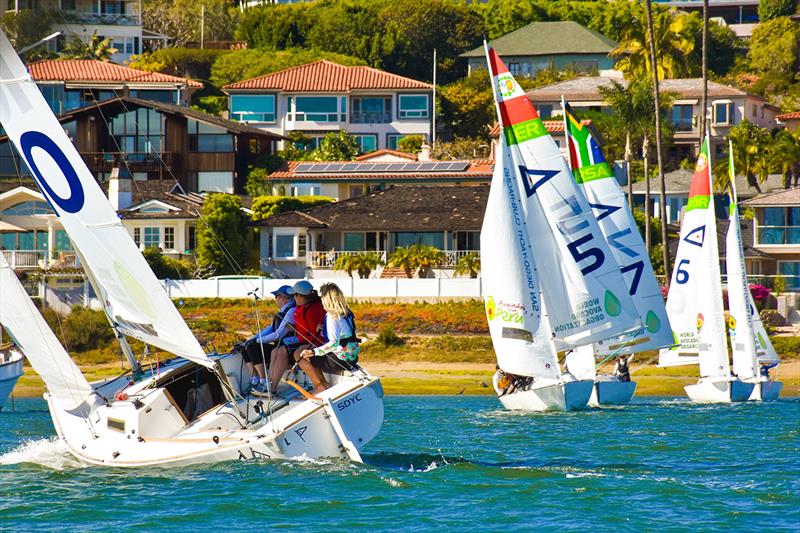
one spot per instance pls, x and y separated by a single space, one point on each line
82 330
787 346
166 267
267 206
388 337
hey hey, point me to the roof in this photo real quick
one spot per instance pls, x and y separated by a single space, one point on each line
548 38
327 76
93 71
367 170
588 88
679 182
785 197
167 191
552 126
794 115
406 208
386 152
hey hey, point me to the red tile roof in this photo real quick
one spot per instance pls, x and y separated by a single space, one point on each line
794 115
477 169
330 77
90 70
386 151
552 126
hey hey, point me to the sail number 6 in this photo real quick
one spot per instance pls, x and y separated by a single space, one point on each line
682 276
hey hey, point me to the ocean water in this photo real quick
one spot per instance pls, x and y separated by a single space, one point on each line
446 462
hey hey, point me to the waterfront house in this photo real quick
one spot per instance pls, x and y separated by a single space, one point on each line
791 121
308 242
377 107
558 45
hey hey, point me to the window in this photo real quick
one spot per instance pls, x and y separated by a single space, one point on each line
682 117
392 139
253 107
301 244
435 239
545 110
284 246
413 106
356 191
371 110
68 5
191 239
137 237
368 143
781 225
723 113
755 111
585 66
169 238
137 133
790 270
62 241
212 181
513 68
353 242
152 237
27 208
206 138
314 108
466 240
166 96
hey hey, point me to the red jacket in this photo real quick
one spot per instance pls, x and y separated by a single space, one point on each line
306 319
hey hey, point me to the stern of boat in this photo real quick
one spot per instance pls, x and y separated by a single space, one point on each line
722 390
612 392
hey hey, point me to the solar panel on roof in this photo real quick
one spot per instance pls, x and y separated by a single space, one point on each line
427 167
380 167
304 167
459 166
349 167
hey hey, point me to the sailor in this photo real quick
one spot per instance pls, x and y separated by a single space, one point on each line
621 369
257 349
765 370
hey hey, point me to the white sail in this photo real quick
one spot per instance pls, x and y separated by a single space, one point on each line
581 364
585 294
596 179
41 347
133 298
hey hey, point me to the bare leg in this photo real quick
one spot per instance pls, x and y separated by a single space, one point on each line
317 378
279 362
261 371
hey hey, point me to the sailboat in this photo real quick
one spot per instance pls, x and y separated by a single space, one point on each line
596 179
749 340
11 362
192 408
550 283
694 302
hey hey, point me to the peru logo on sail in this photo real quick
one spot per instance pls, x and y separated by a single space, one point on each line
505 312
31 140
505 85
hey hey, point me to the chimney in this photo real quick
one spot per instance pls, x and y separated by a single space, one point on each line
120 189
424 153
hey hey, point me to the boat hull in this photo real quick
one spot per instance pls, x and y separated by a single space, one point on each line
553 396
720 390
10 372
611 392
766 391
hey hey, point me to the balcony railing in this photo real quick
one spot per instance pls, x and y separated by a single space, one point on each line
326 260
108 19
38 259
781 235
371 117
137 161
453 256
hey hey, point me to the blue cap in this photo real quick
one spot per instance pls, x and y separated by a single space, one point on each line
283 289
302 287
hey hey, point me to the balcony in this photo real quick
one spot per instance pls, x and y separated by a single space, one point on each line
136 161
326 260
98 19
371 117
39 260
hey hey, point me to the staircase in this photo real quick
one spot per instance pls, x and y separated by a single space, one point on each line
393 272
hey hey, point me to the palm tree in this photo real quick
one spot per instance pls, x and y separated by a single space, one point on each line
95 48
427 258
363 263
784 156
671 42
750 147
621 100
469 265
404 257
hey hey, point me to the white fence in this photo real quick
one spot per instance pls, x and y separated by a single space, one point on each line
352 287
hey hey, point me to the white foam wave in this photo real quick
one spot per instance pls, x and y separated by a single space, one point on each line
50 453
433 466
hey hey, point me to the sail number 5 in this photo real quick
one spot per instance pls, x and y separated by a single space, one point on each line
575 223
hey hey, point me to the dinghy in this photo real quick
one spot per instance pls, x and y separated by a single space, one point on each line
596 179
192 408
694 302
749 340
10 371
550 283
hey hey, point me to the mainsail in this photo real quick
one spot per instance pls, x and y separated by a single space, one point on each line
694 303
41 347
586 296
595 177
133 299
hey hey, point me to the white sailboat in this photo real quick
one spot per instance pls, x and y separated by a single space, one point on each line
615 219
187 410
694 303
549 281
11 362
749 340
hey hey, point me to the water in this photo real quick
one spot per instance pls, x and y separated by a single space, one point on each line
443 462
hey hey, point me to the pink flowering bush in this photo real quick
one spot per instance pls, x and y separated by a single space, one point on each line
760 295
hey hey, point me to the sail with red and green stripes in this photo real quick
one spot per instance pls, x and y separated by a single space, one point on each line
596 179
583 291
694 303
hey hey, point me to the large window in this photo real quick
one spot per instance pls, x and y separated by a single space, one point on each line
28 208
165 95
353 242
413 106
682 117
206 138
368 143
790 271
371 110
723 113
314 108
62 241
427 238
137 133
169 238
253 107
284 246
152 237
780 225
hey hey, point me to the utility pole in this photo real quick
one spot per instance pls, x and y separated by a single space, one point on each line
657 102
202 24
704 99
433 104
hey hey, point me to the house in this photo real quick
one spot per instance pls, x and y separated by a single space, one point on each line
554 127
678 184
777 232
118 20
377 107
548 45
727 106
70 84
155 140
308 242
791 121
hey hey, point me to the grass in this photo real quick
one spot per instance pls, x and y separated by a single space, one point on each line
446 349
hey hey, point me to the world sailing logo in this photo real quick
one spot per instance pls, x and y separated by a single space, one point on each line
36 139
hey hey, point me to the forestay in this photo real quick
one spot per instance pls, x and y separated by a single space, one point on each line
585 294
596 179
40 346
133 298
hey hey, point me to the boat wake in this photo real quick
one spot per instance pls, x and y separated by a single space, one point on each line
412 462
49 453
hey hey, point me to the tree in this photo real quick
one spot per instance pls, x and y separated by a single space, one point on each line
750 146
404 257
773 48
94 48
461 149
274 27
337 146
504 16
180 19
427 257
363 263
186 62
222 235
622 100
411 144
784 156
267 206
771 9
26 27
468 265
165 267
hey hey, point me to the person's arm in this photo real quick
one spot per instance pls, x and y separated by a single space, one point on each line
258 336
335 333
283 327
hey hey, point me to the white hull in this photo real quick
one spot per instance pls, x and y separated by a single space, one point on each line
608 390
719 390
10 372
766 391
149 428
550 396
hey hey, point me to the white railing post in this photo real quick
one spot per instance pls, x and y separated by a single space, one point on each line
218 287
396 287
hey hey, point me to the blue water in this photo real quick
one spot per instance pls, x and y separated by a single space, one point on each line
443 462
